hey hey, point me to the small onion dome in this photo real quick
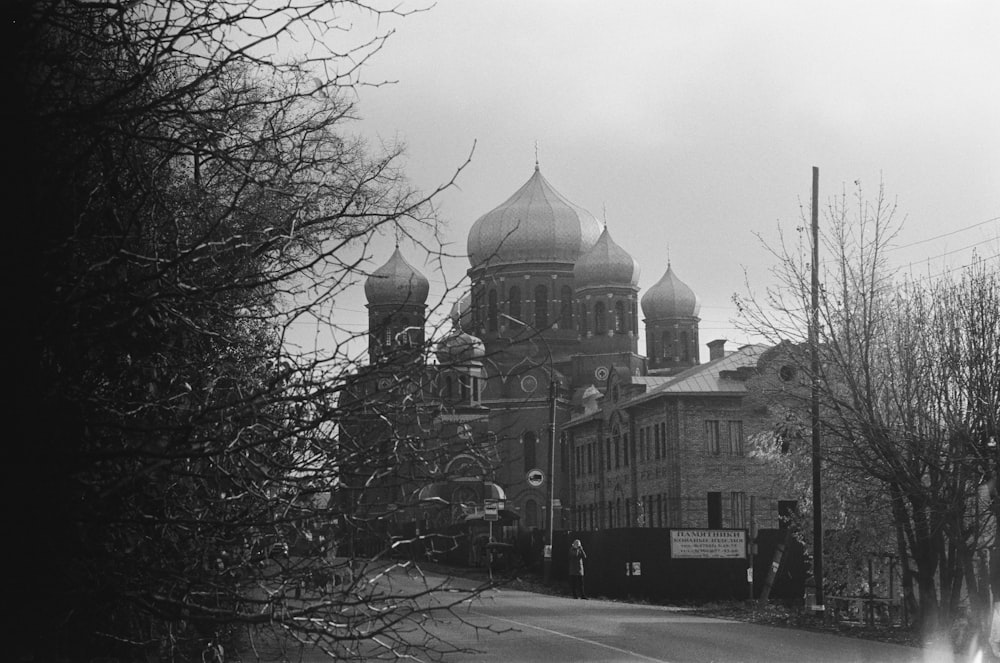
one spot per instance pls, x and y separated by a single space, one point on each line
670 298
461 313
459 348
536 224
606 264
396 282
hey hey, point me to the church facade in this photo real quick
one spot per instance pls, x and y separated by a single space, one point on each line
540 397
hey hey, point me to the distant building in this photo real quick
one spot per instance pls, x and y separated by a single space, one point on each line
549 334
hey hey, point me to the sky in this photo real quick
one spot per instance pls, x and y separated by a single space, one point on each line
692 127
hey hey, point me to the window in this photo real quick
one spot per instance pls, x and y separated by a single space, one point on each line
531 513
491 310
685 347
584 320
712 442
668 346
541 307
530 442
620 323
600 319
736 438
642 444
737 509
566 307
663 440
627 450
514 302
715 510
656 440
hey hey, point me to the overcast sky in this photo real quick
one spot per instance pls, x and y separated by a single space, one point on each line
690 126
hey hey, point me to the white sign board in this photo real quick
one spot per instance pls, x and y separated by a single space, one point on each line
491 510
708 544
536 478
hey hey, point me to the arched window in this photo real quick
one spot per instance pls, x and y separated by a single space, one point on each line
541 307
584 320
531 513
514 302
600 319
449 387
530 442
491 310
668 346
566 307
620 322
685 350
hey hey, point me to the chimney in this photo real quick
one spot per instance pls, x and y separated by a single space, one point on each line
716 349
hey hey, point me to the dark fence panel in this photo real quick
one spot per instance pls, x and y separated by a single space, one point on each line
636 563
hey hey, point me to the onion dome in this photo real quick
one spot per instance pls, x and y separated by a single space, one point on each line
396 282
459 348
670 298
536 224
606 263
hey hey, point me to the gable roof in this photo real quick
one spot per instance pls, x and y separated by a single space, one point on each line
713 377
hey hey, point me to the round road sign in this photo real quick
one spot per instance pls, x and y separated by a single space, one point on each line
536 478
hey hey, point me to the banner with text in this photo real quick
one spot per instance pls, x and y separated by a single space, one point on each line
708 543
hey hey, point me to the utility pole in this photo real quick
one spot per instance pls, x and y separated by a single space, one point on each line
553 393
819 606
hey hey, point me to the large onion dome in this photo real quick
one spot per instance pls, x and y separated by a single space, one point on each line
536 224
459 348
606 263
396 282
670 298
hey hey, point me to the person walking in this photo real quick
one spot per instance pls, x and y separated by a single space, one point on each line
576 559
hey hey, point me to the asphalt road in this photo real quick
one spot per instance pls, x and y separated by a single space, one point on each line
553 629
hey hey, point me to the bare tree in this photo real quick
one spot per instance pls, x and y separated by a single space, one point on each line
909 376
182 196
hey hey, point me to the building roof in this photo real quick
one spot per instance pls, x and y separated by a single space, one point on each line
396 282
536 224
709 378
606 263
670 298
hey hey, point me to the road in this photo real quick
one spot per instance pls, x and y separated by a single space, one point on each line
552 629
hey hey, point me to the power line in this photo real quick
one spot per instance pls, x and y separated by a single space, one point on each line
947 234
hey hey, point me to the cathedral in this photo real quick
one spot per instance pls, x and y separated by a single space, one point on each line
538 399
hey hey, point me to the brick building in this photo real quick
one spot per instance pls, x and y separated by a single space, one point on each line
676 451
